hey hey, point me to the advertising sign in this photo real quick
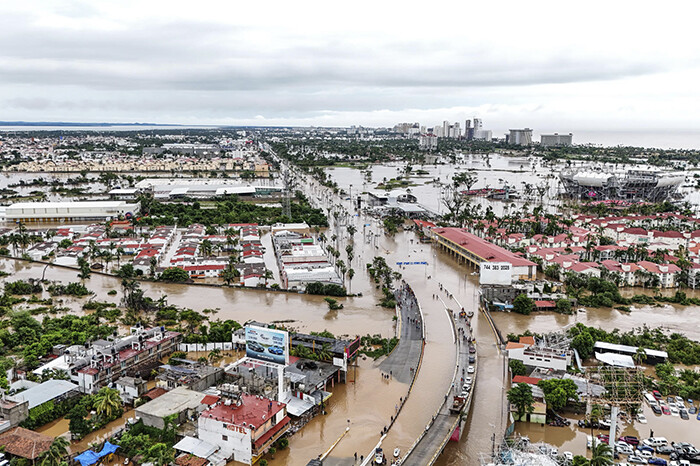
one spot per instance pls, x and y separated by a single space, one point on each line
495 273
266 344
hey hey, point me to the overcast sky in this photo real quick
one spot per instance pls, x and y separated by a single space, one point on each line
546 65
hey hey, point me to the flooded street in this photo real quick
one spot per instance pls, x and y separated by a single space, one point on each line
367 401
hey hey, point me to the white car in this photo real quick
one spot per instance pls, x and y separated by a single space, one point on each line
568 456
470 370
674 411
641 418
624 448
646 454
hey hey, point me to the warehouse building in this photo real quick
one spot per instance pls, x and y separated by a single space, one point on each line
68 211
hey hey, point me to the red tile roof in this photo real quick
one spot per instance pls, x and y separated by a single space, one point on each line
527 380
481 248
253 411
25 443
210 400
155 393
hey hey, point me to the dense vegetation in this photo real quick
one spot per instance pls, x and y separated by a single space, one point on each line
228 210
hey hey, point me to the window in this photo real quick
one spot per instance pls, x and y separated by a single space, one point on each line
224 438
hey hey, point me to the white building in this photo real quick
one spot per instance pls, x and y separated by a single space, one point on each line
427 142
520 137
57 211
534 356
556 139
243 428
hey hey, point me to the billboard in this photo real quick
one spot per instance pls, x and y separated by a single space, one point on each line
266 344
495 273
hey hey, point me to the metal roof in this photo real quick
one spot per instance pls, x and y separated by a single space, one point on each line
629 349
44 392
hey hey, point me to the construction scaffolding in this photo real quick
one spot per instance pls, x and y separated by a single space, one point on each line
624 385
519 451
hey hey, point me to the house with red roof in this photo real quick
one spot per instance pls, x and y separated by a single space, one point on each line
665 272
244 427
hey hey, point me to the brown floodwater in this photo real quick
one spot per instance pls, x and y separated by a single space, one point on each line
367 400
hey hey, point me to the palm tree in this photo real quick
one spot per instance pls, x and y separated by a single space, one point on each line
107 402
640 356
351 273
56 452
602 455
214 355
268 275
595 416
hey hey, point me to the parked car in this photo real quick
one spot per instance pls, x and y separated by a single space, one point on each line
634 459
630 440
470 370
655 441
665 410
693 410
657 394
655 460
656 409
568 456
664 449
641 418
683 414
674 411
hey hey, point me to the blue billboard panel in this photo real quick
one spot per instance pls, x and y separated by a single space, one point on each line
266 344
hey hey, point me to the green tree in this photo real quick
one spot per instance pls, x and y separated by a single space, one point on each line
640 356
602 455
175 275
517 367
580 461
56 452
523 305
160 455
557 392
108 403
520 396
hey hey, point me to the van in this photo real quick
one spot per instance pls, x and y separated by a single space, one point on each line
650 399
655 441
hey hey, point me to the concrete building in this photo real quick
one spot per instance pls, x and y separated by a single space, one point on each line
243 426
556 139
181 401
427 142
131 388
12 413
69 211
534 356
483 135
189 374
520 137
103 362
